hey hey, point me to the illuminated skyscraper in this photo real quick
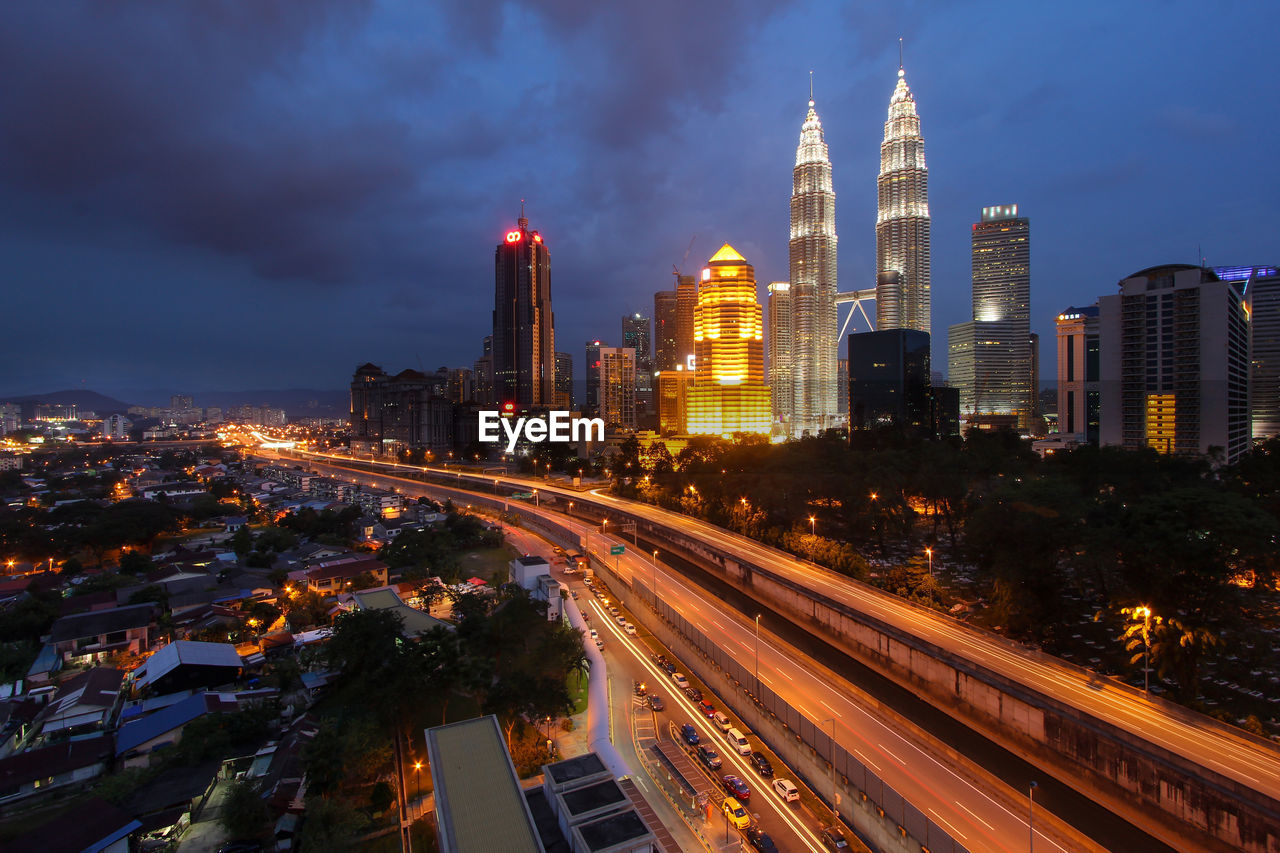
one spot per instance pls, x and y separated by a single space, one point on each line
686 302
635 334
524 346
999 380
616 386
812 404
728 394
902 220
778 330
664 330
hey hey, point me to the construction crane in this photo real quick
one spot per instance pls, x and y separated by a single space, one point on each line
675 270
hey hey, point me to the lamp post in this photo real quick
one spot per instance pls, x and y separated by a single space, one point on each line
655 579
813 535
1145 613
1031 815
929 553
758 655
417 787
536 501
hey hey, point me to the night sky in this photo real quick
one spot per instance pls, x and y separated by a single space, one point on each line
200 195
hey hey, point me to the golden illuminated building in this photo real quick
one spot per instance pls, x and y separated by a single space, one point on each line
1161 422
728 394
673 399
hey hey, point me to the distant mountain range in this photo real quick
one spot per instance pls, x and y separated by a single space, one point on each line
298 402
86 401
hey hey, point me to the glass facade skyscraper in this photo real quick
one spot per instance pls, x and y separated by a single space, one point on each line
902 219
811 360
524 344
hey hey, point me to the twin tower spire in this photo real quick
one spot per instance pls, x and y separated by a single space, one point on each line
803 342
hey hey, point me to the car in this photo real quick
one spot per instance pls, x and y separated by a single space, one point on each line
599 644
668 667
655 702
761 764
707 709
693 693
613 611
621 620
736 787
680 680
629 628
574 595
736 813
594 634
690 734
708 756
832 839
786 789
638 687
570 570
559 552
760 840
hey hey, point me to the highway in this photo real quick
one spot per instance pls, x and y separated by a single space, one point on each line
1177 730
978 815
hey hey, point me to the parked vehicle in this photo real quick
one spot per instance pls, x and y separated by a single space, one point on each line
680 680
786 789
694 694
707 709
761 764
736 813
738 741
736 787
655 702
709 757
721 722
629 628
760 840
832 839
690 734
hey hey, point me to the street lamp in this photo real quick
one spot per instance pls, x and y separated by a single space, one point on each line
1145 613
655 579
813 536
1031 815
536 501
417 787
929 552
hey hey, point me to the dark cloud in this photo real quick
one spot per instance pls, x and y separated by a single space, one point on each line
340 171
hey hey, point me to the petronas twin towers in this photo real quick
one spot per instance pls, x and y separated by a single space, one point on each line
803 338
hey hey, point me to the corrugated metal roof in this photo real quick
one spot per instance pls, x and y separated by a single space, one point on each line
187 653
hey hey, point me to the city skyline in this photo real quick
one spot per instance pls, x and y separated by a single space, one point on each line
297 165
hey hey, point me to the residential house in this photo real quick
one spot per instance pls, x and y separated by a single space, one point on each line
334 577
185 664
89 636
86 702
138 739
52 767
94 826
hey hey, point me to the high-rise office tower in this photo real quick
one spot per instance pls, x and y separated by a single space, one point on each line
902 219
1175 363
812 358
524 345
686 304
672 388
616 386
664 330
564 380
635 334
592 404
999 381
1262 293
729 394
483 369
778 333
1079 394
889 382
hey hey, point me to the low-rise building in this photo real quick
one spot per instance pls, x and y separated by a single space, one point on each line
86 637
334 577
48 768
186 664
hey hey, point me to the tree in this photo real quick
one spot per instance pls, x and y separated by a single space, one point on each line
365 644
242 541
244 814
134 563
330 825
306 609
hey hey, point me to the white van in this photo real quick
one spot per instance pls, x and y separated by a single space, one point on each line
738 742
721 722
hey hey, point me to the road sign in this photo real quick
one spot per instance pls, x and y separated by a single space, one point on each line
617 549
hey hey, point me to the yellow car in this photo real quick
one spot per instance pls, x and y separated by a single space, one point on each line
736 813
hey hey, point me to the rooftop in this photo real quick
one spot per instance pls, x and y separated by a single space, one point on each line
575 768
98 622
478 799
613 831
186 653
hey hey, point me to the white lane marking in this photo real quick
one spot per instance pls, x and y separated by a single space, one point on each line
943 821
828 707
866 760
975 817
889 752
